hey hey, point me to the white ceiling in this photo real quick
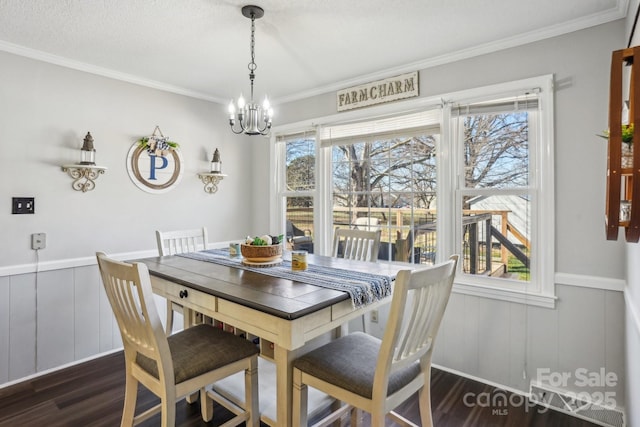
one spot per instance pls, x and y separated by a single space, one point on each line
201 47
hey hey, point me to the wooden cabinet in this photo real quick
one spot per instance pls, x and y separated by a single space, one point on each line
623 183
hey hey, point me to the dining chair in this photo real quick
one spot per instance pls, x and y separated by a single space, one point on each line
361 245
178 365
178 242
375 375
356 244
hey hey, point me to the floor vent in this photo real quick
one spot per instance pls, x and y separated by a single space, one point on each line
563 402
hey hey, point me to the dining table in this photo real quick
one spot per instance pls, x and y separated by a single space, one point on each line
285 312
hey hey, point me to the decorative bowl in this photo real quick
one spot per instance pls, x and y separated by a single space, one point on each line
267 253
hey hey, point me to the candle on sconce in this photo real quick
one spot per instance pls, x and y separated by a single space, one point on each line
216 163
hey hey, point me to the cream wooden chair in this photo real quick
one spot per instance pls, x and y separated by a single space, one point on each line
175 366
178 242
356 244
377 375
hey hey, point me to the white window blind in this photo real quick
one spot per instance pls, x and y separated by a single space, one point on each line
427 122
525 102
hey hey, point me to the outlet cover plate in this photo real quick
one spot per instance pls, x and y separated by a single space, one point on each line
38 241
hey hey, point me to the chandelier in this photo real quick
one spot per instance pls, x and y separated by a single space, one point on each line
248 115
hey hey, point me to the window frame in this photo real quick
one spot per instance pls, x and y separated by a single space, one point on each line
541 291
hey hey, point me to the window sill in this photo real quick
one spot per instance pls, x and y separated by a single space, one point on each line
510 295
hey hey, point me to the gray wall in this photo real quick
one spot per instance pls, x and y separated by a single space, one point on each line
45 112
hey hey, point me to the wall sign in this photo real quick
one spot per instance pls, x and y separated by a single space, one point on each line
155 164
378 92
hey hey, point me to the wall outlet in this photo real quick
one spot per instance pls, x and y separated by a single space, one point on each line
374 316
38 241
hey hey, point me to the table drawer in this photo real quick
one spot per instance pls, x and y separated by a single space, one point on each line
191 298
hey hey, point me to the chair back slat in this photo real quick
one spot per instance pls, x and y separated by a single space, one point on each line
361 245
181 241
419 300
128 289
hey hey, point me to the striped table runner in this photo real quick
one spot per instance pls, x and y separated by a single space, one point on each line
363 288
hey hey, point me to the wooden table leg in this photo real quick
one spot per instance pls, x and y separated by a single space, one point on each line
284 385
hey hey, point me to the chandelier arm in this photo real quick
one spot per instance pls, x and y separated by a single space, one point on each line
265 129
237 132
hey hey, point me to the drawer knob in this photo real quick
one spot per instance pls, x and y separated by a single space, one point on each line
183 293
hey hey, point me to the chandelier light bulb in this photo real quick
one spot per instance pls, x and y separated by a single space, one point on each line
241 102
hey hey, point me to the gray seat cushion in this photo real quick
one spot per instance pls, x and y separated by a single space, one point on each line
350 362
200 349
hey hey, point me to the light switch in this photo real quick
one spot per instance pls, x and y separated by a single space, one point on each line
23 205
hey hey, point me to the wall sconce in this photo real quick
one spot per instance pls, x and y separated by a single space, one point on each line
86 172
212 179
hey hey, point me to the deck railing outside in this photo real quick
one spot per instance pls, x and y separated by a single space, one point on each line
404 240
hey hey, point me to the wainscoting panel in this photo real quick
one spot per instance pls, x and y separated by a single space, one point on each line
452 342
22 326
581 326
498 341
4 328
87 293
55 318
613 328
493 342
74 320
542 326
517 345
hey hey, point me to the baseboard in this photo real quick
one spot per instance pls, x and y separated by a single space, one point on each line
481 380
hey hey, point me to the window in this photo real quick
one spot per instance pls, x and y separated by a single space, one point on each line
384 178
471 175
496 188
298 189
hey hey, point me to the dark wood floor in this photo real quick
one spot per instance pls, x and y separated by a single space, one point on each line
91 394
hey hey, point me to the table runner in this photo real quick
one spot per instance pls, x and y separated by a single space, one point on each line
363 288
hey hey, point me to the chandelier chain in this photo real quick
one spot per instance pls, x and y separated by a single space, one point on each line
252 65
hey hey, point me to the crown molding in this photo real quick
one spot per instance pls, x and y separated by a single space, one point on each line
612 14
104 72
618 12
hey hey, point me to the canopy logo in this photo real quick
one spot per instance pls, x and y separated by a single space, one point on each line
154 172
